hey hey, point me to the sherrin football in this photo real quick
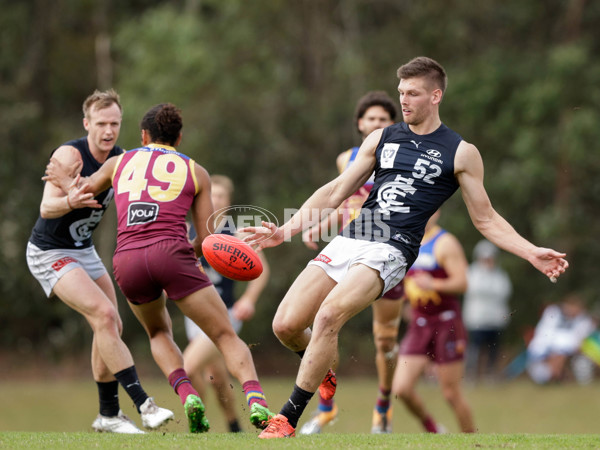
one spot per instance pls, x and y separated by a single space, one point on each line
231 257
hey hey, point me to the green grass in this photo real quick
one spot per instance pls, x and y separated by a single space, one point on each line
24 440
58 414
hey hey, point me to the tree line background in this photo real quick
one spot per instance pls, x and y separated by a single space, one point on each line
268 89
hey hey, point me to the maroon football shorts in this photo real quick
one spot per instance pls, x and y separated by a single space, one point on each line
170 265
395 293
442 337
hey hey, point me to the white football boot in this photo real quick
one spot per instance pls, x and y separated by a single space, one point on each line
154 416
116 424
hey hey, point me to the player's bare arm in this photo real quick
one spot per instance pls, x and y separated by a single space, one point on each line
65 161
202 209
451 256
342 160
325 199
101 180
469 173
60 194
310 236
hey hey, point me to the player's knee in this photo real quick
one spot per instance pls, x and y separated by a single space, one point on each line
331 318
451 394
385 336
284 329
106 317
401 392
386 346
227 341
119 325
159 332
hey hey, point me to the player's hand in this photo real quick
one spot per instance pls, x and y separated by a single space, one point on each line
309 238
550 262
78 197
243 309
424 280
269 235
60 174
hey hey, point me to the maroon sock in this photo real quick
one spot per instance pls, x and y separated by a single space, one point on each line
181 384
254 393
325 405
429 425
383 400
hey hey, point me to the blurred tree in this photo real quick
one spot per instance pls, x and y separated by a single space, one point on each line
268 90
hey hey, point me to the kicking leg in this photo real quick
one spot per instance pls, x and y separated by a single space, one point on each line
297 310
353 294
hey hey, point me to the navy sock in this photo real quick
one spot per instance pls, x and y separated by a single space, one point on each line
234 426
108 393
294 407
129 380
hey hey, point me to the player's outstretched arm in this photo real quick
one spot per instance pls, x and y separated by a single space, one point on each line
469 172
324 200
269 235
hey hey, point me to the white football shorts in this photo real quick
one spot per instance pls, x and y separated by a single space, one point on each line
49 266
192 330
342 253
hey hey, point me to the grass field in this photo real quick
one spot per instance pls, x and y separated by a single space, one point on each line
57 414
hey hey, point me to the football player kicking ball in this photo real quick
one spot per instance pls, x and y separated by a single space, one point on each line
155 186
374 110
418 164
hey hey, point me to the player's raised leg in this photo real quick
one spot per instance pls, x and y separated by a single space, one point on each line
291 325
354 293
297 310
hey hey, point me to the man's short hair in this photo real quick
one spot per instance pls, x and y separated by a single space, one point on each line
223 181
101 100
375 98
422 66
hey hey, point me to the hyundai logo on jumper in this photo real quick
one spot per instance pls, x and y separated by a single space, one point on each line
235 217
141 212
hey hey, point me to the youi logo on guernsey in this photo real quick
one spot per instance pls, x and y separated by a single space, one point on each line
141 212
235 217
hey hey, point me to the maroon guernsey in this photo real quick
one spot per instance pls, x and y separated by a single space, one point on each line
154 189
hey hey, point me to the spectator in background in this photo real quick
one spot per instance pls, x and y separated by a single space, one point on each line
485 309
557 339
